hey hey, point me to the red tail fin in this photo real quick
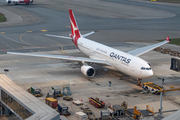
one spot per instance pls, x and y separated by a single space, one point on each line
167 39
74 28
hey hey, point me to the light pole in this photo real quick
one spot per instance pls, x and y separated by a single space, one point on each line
160 115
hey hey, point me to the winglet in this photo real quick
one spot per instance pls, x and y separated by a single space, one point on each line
5 50
167 39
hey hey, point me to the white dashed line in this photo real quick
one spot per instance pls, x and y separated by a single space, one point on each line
7 45
11 39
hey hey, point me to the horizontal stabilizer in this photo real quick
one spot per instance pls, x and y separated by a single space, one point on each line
59 36
87 34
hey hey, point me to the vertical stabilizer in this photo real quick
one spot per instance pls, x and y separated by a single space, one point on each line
74 27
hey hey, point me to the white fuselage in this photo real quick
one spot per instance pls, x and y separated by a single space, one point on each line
121 61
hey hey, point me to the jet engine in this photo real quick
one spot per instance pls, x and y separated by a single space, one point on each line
8 1
88 70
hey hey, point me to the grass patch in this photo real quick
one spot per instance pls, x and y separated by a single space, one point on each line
2 18
169 1
175 41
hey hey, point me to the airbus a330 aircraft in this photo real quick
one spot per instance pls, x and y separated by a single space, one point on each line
127 63
19 1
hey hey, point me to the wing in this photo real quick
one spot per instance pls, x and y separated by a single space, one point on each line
140 51
63 57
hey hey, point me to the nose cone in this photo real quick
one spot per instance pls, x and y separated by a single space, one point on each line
150 73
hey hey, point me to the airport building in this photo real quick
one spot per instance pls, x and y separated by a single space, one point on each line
23 104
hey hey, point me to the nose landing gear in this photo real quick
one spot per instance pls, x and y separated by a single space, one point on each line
139 82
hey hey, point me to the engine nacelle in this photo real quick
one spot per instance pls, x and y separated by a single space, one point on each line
88 70
8 1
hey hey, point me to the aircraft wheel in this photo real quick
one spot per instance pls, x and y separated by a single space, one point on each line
27 3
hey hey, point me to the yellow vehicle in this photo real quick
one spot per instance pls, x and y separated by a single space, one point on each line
151 87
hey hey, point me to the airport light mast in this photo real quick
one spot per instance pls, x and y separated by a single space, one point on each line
160 115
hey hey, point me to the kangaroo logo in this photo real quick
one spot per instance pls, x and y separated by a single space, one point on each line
74 27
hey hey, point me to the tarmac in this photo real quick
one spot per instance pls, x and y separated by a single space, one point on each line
124 25
45 73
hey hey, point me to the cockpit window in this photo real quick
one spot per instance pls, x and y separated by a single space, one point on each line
149 64
143 68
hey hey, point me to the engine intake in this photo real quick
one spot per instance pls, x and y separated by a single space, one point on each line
88 70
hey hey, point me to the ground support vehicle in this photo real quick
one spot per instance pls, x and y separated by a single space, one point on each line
151 87
88 112
78 102
51 102
80 116
68 98
50 94
84 107
96 102
63 109
35 91
57 91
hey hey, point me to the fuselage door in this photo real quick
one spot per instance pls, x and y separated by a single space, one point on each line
93 52
133 67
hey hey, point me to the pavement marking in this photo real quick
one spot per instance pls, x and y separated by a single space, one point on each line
2 32
12 48
68 26
46 79
7 45
46 38
2 42
10 39
94 90
44 30
23 41
58 44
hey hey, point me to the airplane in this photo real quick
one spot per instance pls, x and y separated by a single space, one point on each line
127 63
19 1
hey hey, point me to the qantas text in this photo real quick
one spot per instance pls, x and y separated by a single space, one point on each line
120 58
